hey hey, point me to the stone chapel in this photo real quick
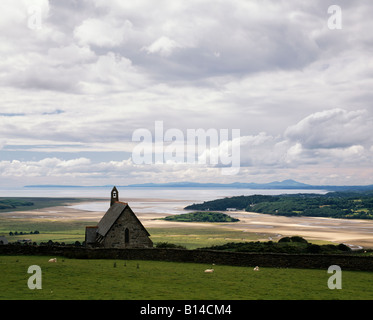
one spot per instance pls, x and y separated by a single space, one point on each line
118 228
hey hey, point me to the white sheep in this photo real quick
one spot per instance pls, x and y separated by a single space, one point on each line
52 260
209 270
256 268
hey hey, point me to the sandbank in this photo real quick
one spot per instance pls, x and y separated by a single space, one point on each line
350 231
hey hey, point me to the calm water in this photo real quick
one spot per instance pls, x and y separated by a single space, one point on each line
199 194
180 197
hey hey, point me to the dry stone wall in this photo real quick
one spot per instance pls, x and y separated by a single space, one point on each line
277 260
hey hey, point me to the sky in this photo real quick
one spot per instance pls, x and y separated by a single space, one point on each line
79 78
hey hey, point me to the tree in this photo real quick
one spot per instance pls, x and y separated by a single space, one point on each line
313 248
343 247
298 239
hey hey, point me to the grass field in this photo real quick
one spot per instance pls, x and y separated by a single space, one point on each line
71 231
61 231
193 238
73 279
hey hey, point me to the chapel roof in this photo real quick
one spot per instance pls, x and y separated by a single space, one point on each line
112 215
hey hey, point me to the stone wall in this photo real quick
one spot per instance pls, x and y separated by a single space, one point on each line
312 261
136 234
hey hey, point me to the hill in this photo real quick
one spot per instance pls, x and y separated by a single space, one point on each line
348 205
285 184
251 185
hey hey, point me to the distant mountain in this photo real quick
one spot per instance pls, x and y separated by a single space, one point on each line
272 185
289 183
52 186
285 184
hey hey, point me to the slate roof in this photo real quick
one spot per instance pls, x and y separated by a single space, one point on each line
90 234
112 215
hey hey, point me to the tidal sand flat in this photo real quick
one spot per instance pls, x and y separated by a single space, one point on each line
353 232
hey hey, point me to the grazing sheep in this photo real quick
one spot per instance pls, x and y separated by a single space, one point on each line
209 270
256 268
52 260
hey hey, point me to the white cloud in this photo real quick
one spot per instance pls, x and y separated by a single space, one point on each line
70 55
163 46
293 153
346 156
333 128
21 13
47 167
103 33
97 70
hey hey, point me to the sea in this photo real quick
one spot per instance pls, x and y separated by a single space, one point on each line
166 200
177 193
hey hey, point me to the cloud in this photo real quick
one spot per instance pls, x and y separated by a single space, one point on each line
21 14
52 167
70 55
2 143
103 33
293 153
249 38
333 128
97 70
163 46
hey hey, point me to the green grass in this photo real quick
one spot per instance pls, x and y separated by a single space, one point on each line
99 279
193 238
61 231
70 231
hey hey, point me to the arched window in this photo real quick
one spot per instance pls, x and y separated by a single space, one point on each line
126 236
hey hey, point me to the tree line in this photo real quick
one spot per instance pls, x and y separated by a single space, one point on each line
350 205
13 203
16 233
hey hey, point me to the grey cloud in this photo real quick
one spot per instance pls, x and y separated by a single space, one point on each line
231 44
260 66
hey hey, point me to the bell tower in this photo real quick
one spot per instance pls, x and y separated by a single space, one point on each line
114 196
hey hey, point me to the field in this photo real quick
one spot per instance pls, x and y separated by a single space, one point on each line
72 279
201 237
61 231
69 231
